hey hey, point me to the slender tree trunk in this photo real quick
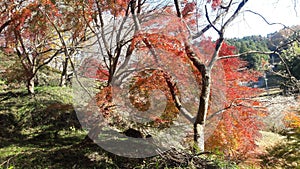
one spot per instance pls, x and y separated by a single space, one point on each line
199 125
30 85
199 136
63 76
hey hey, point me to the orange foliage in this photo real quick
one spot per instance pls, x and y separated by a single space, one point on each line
292 118
116 7
92 68
165 36
238 128
143 84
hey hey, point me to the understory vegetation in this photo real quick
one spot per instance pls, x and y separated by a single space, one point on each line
42 131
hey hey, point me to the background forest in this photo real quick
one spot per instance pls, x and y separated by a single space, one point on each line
64 70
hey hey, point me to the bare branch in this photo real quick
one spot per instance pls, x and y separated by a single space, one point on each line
234 15
285 65
269 23
48 61
207 27
178 8
210 23
3 26
102 29
134 15
246 53
67 54
183 111
295 7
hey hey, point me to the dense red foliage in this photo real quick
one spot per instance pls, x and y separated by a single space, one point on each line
92 68
239 126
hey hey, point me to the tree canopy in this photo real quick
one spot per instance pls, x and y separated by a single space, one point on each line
147 65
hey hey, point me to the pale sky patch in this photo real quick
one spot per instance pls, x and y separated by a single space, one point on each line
274 11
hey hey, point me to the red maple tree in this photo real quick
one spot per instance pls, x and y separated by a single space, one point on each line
238 128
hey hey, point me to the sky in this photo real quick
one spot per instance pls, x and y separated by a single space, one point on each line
274 11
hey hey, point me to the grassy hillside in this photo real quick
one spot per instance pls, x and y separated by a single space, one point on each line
42 131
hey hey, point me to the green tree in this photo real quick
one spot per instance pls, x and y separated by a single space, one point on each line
252 43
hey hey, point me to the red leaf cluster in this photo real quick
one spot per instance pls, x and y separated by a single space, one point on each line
189 7
215 3
239 126
92 68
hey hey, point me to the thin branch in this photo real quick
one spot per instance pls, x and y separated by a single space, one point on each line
226 7
234 15
134 15
20 39
210 23
183 111
3 26
122 24
285 65
207 27
67 54
280 74
269 23
295 7
48 61
178 8
233 104
102 30
246 53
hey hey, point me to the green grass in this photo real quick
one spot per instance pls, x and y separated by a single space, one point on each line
29 124
42 131
285 154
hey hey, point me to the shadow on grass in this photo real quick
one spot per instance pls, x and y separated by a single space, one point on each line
10 94
285 155
32 126
60 157
39 123
9 130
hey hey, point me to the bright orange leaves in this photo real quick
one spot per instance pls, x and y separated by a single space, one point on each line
189 7
142 86
239 125
292 117
292 120
158 41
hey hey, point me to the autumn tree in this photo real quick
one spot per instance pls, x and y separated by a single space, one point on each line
134 38
26 31
72 30
40 31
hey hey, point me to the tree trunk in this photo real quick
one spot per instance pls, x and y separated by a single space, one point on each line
199 136
30 85
63 76
199 125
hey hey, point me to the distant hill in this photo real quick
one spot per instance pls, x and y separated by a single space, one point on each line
261 43
279 37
